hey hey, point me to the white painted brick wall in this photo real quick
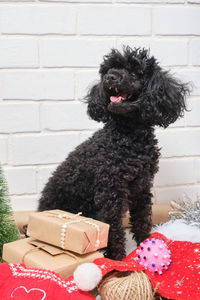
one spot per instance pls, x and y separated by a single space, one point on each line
37 84
3 150
71 116
193 119
50 51
176 20
114 20
198 170
169 52
191 75
18 53
67 52
194 52
43 174
171 171
19 117
85 80
38 19
16 178
48 148
180 142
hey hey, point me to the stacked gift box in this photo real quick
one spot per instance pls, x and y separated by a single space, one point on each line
58 241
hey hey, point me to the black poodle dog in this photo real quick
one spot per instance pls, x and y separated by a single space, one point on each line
114 169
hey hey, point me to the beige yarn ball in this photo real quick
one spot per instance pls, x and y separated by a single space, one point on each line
126 286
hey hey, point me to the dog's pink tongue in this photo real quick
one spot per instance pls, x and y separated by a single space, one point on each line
116 99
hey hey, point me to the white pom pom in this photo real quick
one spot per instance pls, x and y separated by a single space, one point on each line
87 276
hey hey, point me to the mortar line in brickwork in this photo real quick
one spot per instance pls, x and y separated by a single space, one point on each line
38 180
136 3
74 36
18 68
58 3
99 36
36 35
177 36
32 100
196 168
184 67
175 158
10 150
178 129
40 116
179 67
183 185
77 24
192 126
23 132
75 86
39 50
190 53
176 185
152 23
24 194
48 132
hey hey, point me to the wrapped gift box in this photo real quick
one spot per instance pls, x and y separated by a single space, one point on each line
68 231
37 254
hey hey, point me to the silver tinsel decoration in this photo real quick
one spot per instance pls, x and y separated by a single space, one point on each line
187 210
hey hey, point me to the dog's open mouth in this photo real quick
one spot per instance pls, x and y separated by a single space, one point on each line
122 102
119 96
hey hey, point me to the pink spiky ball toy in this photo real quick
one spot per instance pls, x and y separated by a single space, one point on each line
154 255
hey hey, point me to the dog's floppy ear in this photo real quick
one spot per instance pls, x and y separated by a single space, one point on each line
163 99
97 105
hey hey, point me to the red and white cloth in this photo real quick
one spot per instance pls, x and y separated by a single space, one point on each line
20 283
172 266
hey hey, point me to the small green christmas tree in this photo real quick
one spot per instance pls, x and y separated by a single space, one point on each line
8 229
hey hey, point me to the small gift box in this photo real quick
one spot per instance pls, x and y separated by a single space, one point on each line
68 231
36 254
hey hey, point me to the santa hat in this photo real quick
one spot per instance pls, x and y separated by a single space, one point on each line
87 276
172 266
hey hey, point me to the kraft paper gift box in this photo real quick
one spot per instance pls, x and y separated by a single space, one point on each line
68 231
36 254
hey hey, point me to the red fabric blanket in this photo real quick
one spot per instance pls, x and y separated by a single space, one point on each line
20 283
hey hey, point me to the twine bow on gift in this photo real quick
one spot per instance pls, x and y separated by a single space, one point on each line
45 248
30 251
74 219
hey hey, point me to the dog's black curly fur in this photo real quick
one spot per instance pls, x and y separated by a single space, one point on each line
114 169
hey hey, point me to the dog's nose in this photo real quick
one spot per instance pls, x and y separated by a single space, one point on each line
112 78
